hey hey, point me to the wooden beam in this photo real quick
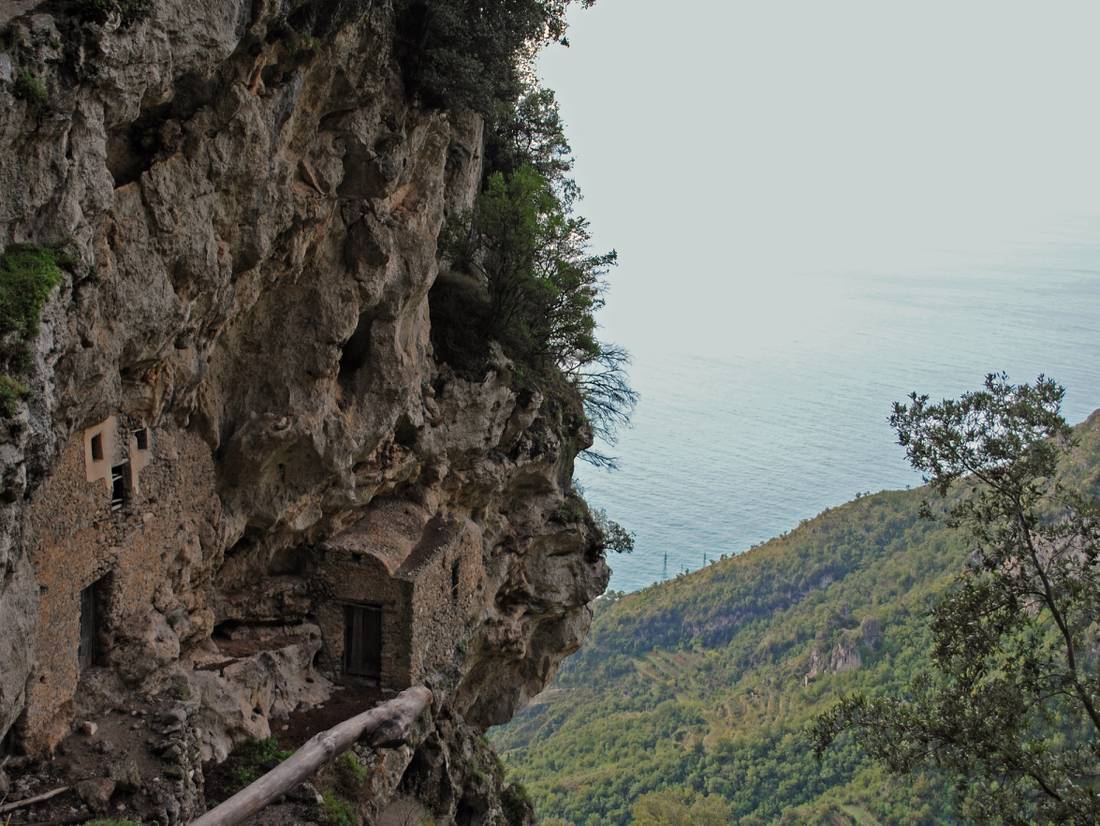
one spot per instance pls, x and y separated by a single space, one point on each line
386 724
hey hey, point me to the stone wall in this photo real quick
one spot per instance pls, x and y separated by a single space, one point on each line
153 552
342 579
446 600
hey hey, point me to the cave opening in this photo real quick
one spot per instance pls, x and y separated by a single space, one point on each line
461 319
356 352
405 433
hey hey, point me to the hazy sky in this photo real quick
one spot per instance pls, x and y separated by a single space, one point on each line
736 152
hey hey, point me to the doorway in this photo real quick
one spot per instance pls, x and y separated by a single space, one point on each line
363 641
93 605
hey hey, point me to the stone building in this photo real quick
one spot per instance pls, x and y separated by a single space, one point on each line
124 538
400 588
105 535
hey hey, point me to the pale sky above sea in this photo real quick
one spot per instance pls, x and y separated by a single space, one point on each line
730 150
818 207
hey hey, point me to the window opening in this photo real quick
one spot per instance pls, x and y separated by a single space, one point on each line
455 570
97 447
363 641
141 437
120 492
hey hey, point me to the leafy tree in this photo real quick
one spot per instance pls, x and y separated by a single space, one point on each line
1010 708
679 807
609 400
615 536
473 53
543 288
530 136
530 132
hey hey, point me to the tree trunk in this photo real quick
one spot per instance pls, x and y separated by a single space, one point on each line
386 724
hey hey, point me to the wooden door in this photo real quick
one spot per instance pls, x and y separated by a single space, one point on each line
363 641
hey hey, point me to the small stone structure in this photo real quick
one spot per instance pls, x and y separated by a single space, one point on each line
406 579
106 533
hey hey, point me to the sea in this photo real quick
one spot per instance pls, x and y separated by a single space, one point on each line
735 443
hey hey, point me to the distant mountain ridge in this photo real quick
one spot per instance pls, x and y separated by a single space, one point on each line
689 697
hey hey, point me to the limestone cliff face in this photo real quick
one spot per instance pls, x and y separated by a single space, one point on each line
252 207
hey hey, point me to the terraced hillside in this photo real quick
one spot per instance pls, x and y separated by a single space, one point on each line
688 700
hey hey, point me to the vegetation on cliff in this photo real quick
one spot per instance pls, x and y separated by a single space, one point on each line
467 54
696 694
27 276
521 270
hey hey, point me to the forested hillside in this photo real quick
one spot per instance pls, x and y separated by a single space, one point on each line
688 701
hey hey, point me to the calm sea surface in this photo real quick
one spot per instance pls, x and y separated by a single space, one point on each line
731 448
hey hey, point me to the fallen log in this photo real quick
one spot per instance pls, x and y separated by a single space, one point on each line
384 725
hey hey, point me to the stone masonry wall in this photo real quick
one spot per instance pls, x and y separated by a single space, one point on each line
153 552
344 579
447 597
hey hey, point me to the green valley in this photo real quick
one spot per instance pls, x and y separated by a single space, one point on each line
689 701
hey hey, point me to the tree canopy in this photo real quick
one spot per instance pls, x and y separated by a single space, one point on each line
473 54
535 284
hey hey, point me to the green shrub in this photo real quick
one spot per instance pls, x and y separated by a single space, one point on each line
305 45
519 271
543 285
12 391
27 276
337 812
542 288
252 759
571 509
516 803
350 773
30 89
